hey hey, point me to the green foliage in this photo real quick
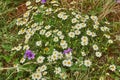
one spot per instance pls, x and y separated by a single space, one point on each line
39 18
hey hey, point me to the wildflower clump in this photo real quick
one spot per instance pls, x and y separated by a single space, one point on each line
63 40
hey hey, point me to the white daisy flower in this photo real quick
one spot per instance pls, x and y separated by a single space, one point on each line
38 76
53 2
83 53
43 68
49 59
110 41
64 46
54 57
47 43
74 20
48 34
39 70
64 62
31 32
67 63
55 39
29 7
112 67
63 75
44 73
28 31
48 11
93 34
21 21
57 70
39 43
73 13
87 63
95 47
107 36
104 28
107 22
55 31
94 18
84 43
89 32
28 3
77 32
38 28
62 42
47 27
42 32
86 17
73 2
18 21
22 60
61 14
98 54
82 25
37 1
26 14
34 76
60 55
78 16
97 23
83 19
69 56
27 36
40 59
64 17
84 38
95 27
71 34
78 26
43 79
59 33
26 41
61 37
18 48
22 31
26 47
55 52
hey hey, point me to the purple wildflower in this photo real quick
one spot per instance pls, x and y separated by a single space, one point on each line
29 54
43 1
67 50
118 1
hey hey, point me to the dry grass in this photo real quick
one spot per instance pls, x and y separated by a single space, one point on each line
101 8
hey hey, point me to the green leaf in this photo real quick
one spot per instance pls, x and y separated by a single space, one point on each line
118 67
117 78
7 58
6 47
81 58
0 64
83 68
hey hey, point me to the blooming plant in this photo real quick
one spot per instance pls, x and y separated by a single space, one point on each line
59 42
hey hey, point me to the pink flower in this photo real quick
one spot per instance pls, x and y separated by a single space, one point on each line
118 1
67 50
29 54
43 1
